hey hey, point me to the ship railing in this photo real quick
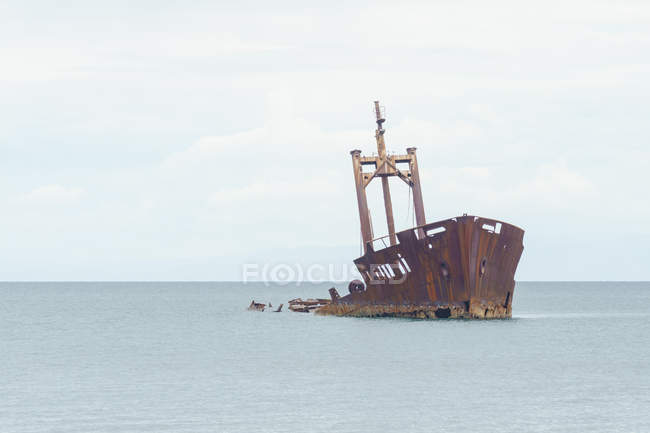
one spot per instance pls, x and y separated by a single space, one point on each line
381 242
431 230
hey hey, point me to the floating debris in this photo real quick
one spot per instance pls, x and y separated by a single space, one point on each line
254 306
279 309
307 305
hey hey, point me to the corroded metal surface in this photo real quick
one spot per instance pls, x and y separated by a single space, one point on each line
460 267
256 306
306 305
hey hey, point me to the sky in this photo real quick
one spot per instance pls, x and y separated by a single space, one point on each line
185 140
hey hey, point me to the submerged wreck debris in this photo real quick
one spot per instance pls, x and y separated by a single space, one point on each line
460 267
254 306
307 305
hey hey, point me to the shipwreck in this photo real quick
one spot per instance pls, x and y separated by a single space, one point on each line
461 267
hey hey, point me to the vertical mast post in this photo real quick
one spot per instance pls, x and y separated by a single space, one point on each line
381 150
418 204
364 213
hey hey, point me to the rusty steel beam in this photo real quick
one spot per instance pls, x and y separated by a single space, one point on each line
388 205
418 204
383 171
362 201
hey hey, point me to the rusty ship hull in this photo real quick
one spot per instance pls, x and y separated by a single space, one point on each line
462 267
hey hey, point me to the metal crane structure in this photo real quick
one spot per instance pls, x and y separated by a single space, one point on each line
385 166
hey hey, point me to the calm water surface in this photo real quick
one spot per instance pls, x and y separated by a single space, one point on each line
188 357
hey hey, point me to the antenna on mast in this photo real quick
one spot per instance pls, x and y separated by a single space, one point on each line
384 172
380 112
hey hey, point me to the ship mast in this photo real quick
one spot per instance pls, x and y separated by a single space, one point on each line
381 151
385 167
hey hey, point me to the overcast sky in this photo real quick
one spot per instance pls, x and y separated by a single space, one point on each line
180 140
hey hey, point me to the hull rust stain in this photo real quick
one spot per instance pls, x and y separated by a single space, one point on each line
463 267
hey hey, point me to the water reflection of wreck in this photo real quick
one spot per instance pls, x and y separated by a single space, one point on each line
461 267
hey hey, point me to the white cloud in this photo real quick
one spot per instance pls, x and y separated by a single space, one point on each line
286 139
498 27
556 183
223 147
550 187
212 44
52 194
270 191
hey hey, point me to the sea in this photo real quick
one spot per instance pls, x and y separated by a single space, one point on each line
188 357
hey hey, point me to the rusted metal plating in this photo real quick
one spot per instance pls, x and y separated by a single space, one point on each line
306 305
460 267
256 306
463 267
